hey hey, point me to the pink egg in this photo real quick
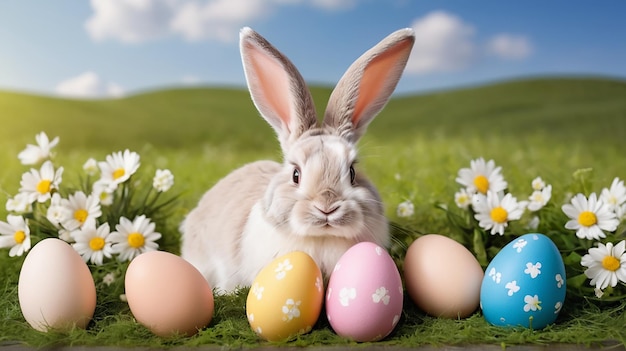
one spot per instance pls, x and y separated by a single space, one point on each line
364 295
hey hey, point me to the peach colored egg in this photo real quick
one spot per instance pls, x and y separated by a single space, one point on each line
168 295
442 277
56 290
286 297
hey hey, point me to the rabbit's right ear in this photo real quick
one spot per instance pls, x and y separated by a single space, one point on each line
277 88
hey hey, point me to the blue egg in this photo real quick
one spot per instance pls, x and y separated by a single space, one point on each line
524 285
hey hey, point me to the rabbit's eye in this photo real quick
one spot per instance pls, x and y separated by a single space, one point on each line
352 174
296 176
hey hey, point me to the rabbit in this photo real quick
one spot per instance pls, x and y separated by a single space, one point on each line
315 201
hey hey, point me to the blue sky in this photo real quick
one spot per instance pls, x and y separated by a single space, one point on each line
109 48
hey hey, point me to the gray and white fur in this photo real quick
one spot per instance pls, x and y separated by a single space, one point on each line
316 201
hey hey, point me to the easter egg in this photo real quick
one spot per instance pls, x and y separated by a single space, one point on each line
167 294
524 284
364 296
442 277
55 288
286 297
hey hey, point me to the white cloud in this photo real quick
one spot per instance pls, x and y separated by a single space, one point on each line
130 21
219 19
443 42
88 85
133 21
190 79
509 46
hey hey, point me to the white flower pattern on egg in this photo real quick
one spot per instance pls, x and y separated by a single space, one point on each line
291 310
559 280
557 307
283 267
319 284
512 287
381 295
345 295
379 250
495 275
532 303
257 291
395 320
533 269
519 245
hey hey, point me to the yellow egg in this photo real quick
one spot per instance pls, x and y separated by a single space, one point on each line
167 294
442 277
286 297
56 290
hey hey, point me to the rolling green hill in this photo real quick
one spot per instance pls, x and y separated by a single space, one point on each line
187 118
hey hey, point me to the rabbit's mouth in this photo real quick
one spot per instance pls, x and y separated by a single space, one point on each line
334 220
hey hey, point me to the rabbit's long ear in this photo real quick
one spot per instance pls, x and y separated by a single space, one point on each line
277 88
367 85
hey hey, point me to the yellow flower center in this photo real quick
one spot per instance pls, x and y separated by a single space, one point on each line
499 215
43 187
482 183
81 215
587 218
19 236
96 244
135 240
118 173
610 263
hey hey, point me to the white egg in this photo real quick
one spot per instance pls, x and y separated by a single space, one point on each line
56 290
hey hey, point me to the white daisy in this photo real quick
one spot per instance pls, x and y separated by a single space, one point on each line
405 209
606 264
91 167
615 196
463 199
15 234
539 198
102 192
538 184
39 184
118 168
57 213
493 212
92 243
19 203
109 278
482 177
163 180
34 154
589 217
82 210
134 238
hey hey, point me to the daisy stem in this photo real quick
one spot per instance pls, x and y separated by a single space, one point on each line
479 248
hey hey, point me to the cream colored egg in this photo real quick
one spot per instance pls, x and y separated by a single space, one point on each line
442 277
168 295
286 297
56 290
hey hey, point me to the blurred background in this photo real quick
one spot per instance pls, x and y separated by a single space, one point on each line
116 48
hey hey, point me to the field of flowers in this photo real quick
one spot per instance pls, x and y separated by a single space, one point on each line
482 184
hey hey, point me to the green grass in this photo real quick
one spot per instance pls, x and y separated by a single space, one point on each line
413 150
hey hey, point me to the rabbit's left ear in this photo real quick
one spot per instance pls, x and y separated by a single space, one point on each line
366 86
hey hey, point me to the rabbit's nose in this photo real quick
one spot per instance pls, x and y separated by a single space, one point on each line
327 210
